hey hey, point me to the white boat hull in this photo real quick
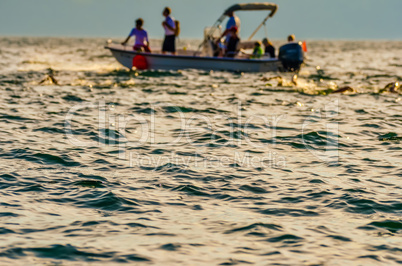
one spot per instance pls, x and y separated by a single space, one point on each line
176 62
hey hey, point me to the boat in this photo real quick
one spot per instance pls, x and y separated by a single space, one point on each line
290 55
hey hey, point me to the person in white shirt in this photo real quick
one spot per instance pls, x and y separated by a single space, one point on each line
169 24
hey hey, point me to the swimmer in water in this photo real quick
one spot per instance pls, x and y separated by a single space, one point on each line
49 77
392 87
344 89
282 81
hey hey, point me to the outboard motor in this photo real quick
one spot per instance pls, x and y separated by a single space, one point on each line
291 55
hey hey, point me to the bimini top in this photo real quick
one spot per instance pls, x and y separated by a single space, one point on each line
253 6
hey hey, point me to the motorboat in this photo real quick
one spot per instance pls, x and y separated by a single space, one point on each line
290 56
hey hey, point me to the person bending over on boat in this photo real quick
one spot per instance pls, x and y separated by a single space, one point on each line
257 51
269 48
230 47
141 37
232 42
169 25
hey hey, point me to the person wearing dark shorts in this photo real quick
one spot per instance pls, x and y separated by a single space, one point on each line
169 43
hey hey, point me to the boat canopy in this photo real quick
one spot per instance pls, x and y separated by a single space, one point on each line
252 6
245 7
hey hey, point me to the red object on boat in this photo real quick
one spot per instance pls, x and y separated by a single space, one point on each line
304 46
140 62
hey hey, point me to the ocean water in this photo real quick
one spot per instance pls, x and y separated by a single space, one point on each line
101 165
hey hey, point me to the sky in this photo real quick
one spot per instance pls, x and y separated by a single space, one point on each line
307 19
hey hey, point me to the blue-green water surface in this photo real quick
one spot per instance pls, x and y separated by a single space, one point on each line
102 165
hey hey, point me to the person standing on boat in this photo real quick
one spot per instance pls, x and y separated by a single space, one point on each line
141 37
269 48
169 25
233 21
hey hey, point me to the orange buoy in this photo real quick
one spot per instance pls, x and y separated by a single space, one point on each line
304 46
140 62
